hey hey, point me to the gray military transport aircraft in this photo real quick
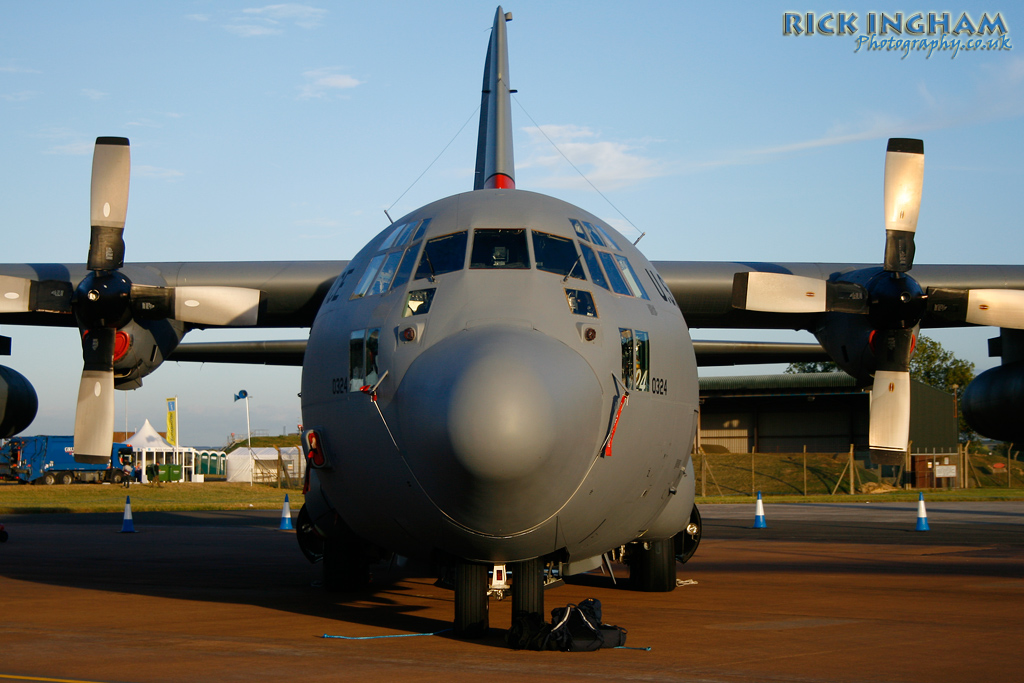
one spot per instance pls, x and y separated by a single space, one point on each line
466 375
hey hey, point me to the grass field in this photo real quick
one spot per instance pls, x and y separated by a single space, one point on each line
18 499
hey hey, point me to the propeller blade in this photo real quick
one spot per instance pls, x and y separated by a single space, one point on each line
783 293
111 168
21 295
996 307
904 180
890 412
222 306
94 415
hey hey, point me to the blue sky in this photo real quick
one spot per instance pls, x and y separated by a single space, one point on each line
283 132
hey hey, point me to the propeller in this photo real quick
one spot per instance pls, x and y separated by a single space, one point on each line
893 301
106 300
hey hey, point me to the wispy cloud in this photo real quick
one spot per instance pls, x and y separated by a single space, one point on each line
197 17
321 82
607 164
156 172
22 96
82 148
94 94
17 70
274 19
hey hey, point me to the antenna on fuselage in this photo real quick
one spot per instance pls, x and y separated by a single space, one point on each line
495 165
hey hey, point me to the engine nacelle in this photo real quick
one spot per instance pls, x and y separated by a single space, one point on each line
141 346
992 403
18 402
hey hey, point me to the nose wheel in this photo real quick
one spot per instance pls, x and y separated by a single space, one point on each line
471 609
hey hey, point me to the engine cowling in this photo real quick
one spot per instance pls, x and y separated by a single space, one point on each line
991 403
141 346
18 402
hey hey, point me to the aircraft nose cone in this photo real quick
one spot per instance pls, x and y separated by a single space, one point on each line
499 425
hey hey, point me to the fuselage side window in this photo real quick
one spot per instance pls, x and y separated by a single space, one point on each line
387 272
372 346
356 372
443 254
499 248
367 276
631 278
581 302
618 284
580 231
626 339
405 269
643 361
594 266
557 255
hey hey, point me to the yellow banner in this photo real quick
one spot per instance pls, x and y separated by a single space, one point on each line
172 421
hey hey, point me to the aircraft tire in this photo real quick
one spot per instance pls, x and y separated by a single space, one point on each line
652 569
471 609
346 568
528 587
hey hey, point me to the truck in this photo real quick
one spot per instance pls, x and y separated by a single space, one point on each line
51 460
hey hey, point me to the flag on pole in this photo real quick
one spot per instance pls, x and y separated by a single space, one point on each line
172 421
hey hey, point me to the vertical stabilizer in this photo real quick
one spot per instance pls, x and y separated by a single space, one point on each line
495 166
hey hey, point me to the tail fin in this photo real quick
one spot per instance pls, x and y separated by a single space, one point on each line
495 165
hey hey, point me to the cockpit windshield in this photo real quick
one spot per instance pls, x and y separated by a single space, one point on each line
499 248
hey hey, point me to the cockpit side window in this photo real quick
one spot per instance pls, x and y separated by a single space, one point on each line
417 302
405 269
499 248
581 302
580 230
631 279
595 236
618 284
605 234
594 266
367 276
387 272
443 254
557 255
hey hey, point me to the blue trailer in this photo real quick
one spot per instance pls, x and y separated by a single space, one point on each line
51 460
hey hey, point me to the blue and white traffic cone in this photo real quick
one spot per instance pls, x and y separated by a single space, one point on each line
922 515
759 513
286 516
127 527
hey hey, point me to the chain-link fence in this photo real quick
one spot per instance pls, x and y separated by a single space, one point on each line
720 473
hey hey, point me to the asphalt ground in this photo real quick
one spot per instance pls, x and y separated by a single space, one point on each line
843 592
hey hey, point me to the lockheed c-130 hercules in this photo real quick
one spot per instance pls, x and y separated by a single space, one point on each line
499 379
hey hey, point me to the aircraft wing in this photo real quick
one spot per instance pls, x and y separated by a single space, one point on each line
291 291
704 289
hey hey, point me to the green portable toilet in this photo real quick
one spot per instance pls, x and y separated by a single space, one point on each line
204 463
